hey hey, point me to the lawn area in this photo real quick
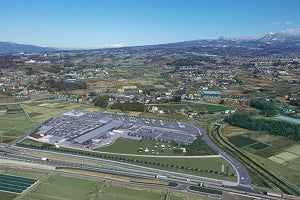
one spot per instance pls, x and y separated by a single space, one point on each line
68 188
126 146
7 196
114 192
59 187
8 125
207 167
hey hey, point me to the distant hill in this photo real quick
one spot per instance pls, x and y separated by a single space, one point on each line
9 47
271 43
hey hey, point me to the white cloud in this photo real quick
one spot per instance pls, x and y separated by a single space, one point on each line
288 22
117 45
275 23
293 30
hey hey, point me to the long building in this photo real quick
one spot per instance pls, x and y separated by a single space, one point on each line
98 132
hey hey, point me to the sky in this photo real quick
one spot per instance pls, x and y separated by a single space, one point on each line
106 23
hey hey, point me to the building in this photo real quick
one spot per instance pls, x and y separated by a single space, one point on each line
211 94
98 132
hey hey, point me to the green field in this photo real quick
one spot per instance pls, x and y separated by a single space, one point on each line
126 146
68 188
173 107
276 154
7 196
268 152
241 141
215 108
207 167
258 146
11 196
56 187
14 121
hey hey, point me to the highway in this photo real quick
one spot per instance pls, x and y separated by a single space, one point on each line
184 181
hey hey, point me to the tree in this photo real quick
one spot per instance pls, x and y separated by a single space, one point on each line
101 101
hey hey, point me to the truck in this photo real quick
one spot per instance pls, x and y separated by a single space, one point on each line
274 194
44 159
160 177
201 184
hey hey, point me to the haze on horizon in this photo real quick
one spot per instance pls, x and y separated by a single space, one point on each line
106 23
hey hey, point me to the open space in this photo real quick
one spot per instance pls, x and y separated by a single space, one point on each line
68 188
127 146
277 154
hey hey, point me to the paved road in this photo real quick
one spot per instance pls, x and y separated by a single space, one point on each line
113 167
242 173
182 187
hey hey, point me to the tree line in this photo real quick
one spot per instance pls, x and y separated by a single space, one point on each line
265 106
129 106
270 126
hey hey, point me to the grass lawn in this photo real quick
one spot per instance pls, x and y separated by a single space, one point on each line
207 167
69 188
126 146
59 187
7 196
8 123
114 192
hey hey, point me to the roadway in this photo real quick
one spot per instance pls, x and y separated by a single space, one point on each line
242 173
184 181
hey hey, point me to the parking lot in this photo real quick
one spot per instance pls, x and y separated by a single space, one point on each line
78 129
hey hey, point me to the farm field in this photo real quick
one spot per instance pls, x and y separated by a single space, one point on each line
12 117
241 141
126 146
17 120
278 154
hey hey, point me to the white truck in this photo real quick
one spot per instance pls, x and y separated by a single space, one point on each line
44 159
160 177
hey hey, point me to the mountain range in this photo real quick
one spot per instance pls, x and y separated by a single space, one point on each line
10 47
271 43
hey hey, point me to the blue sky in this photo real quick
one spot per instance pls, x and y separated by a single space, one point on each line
101 23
